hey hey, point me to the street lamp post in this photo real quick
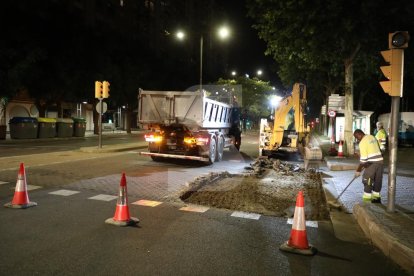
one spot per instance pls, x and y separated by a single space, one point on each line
201 63
223 33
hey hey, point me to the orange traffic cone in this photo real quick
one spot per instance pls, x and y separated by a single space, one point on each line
21 197
298 242
340 150
122 217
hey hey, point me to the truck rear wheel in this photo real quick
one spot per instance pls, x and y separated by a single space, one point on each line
220 148
212 150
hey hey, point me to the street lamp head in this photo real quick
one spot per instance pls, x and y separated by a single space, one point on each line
233 73
275 100
180 35
259 72
223 32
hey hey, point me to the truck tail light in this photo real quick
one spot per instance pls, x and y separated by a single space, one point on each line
190 140
153 137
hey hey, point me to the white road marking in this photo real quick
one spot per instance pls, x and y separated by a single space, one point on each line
194 208
308 223
239 214
64 192
103 197
2 182
30 187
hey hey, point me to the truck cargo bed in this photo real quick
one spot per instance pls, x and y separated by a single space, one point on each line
192 109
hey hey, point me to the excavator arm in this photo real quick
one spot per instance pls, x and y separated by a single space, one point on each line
295 103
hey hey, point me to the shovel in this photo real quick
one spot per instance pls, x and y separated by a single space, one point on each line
335 203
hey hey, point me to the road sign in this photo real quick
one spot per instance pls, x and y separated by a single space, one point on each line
104 107
331 113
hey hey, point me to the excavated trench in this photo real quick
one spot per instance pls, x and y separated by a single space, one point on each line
267 187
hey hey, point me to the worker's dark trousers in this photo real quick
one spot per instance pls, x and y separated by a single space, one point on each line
372 177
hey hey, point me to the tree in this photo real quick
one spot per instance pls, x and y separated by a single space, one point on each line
254 95
326 39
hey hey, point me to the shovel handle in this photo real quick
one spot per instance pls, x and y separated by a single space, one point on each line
349 184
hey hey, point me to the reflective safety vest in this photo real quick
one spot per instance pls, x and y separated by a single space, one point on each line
369 150
381 136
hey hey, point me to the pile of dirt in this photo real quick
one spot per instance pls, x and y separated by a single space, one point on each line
268 187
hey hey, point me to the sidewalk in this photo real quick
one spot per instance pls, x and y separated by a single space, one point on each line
392 233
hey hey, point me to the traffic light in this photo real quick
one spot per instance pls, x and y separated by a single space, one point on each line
398 40
105 89
98 89
394 72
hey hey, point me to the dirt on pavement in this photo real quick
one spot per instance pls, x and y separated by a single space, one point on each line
267 187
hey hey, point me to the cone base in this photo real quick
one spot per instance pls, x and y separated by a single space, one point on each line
20 206
132 221
308 252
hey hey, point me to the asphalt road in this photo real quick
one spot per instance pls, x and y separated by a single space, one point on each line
66 234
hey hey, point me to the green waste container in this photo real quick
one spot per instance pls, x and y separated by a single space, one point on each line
79 127
47 127
64 127
23 128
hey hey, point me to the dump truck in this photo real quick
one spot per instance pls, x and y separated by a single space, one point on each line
188 125
288 128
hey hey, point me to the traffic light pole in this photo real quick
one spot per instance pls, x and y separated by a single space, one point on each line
100 122
393 147
394 72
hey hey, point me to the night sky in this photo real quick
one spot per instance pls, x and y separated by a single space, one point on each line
247 52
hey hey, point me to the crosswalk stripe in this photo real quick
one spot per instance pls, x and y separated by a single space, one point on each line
64 192
148 203
309 223
239 214
194 208
33 187
103 197
29 187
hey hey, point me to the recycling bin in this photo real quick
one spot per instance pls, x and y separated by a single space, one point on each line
23 128
64 127
79 127
47 127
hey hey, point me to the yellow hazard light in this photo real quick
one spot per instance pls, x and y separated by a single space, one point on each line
190 140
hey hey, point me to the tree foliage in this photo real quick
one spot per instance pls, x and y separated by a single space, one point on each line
254 96
312 41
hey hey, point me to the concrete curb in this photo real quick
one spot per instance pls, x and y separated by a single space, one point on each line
382 231
341 163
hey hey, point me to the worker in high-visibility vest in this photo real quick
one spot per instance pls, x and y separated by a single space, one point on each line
372 163
381 136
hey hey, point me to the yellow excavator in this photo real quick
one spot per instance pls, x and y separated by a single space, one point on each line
289 127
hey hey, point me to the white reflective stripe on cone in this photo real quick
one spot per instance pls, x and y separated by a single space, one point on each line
122 199
298 219
20 185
